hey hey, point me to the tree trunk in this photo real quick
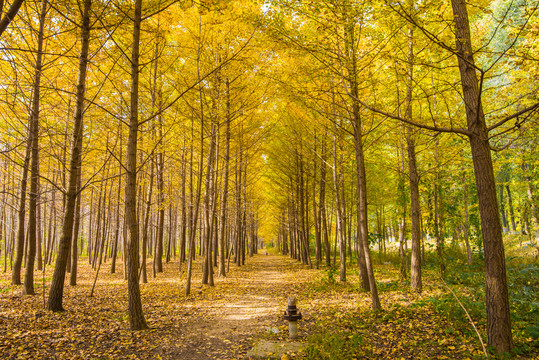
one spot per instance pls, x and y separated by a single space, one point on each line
498 316
143 270
466 224
322 206
34 166
136 316
415 271
505 224
533 208
16 272
74 240
118 200
437 194
511 209
57 286
196 205
337 183
222 272
183 230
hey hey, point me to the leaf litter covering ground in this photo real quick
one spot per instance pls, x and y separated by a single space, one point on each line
217 323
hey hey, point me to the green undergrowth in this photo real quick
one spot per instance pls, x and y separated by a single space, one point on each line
426 326
397 332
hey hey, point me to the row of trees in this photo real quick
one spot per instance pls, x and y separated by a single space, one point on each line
152 151
376 104
194 129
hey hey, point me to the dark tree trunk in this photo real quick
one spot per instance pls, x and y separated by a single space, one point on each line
136 316
34 166
74 240
437 209
57 286
19 254
145 234
498 316
222 272
415 272
118 200
322 207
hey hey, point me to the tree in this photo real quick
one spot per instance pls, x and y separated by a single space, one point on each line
136 315
73 192
498 317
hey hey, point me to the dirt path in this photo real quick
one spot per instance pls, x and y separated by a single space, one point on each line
223 323
220 322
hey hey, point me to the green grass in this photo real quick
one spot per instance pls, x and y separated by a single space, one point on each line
349 335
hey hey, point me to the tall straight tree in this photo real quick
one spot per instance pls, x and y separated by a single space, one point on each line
498 317
222 270
34 165
415 271
57 286
136 316
365 264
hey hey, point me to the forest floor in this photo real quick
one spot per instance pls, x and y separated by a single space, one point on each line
220 322
227 320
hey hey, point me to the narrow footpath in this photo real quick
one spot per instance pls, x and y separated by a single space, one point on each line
226 321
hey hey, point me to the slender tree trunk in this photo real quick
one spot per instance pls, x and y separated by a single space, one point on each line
57 286
208 213
136 316
322 207
533 208
74 240
337 183
366 273
200 173
145 230
317 227
437 193
16 272
511 209
39 246
222 272
505 224
466 224
118 200
183 230
415 272
34 166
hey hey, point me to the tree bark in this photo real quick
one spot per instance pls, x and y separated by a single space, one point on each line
222 272
34 165
57 286
118 200
19 253
498 316
145 235
196 205
74 240
337 183
437 193
322 206
136 316
415 271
